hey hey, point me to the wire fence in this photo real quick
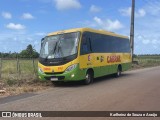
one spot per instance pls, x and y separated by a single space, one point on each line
18 68
148 60
26 69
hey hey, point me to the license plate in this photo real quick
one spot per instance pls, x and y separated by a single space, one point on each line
54 79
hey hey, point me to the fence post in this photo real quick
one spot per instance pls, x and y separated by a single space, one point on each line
0 67
34 70
18 68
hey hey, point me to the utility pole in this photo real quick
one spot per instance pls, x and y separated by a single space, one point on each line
132 29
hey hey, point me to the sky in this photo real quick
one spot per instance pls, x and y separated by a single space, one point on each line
24 22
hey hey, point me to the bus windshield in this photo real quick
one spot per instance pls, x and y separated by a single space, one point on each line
59 46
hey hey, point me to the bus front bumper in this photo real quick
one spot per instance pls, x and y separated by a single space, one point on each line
73 75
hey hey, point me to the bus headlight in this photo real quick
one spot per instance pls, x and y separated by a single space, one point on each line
71 67
40 70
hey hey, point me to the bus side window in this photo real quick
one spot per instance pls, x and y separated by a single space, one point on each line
85 46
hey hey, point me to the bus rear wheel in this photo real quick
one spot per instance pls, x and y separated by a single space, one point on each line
89 78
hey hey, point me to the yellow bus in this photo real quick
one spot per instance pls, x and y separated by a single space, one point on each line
83 54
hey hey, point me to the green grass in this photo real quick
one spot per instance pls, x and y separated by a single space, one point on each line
26 80
149 57
9 68
148 61
25 74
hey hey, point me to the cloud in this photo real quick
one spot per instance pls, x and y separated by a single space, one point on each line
127 12
27 16
23 38
140 13
145 41
6 15
147 37
94 9
40 33
67 4
108 24
14 26
155 41
147 44
153 8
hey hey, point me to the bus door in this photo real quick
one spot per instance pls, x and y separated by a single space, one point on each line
86 58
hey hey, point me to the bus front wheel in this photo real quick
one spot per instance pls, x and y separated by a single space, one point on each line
89 78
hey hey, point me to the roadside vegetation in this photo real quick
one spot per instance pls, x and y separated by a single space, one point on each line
29 52
143 61
18 72
20 75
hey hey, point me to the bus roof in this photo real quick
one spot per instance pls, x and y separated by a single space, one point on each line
88 30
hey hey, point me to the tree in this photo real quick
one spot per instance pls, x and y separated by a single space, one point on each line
35 54
29 52
134 56
23 54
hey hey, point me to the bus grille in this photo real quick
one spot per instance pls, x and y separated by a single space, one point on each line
59 77
47 73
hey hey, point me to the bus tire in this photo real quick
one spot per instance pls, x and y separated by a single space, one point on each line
89 78
119 72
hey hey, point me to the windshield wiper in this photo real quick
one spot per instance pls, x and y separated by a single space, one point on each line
58 48
55 47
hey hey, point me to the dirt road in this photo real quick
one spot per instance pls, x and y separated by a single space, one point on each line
137 90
